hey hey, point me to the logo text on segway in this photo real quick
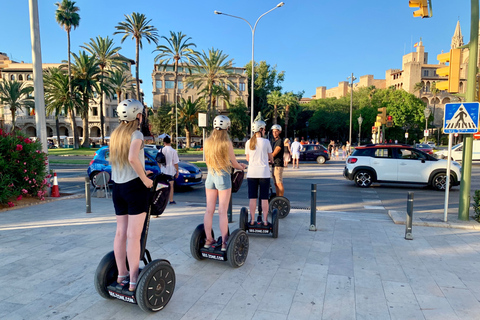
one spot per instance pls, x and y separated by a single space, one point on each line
258 230
212 256
121 297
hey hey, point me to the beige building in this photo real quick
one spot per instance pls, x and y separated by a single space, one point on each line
164 82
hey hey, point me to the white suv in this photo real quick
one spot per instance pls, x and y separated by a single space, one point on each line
398 163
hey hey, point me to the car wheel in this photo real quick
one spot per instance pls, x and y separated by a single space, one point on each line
321 160
439 181
93 180
363 178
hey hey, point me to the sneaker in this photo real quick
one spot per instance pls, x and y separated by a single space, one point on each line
172 202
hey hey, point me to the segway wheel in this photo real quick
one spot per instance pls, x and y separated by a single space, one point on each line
106 274
275 223
282 204
198 241
243 218
237 249
155 286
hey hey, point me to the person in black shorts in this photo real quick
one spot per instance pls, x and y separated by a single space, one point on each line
277 166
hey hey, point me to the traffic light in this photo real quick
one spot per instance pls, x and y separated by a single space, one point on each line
452 71
422 6
389 121
374 129
382 116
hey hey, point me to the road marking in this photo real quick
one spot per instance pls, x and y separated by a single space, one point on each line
374 207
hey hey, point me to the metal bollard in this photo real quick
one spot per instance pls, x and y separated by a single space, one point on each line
88 198
313 208
408 225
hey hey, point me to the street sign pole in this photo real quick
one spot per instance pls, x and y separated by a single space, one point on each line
465 184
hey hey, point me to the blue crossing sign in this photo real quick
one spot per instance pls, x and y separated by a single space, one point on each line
461 117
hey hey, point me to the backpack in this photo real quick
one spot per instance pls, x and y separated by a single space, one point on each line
160 158
160 196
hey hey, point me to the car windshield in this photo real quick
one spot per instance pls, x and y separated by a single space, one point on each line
422 145
151 152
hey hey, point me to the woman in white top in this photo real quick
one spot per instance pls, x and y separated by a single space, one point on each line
259 153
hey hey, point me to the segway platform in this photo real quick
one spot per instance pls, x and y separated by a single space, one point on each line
258 227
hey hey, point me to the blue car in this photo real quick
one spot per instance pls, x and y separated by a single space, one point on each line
189 174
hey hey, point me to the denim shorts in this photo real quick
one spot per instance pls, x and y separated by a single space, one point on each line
218 181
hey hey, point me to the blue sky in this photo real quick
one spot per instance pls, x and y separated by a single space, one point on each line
317 43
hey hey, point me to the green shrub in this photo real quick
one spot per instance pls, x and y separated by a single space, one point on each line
476 205
22 168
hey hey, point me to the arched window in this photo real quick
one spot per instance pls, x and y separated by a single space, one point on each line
29 77
20 77
12 77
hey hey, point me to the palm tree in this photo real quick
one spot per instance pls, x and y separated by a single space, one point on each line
209 70
218 91
434 92
120 82
67 17
275 99
178 50
16 95
289 99
188 112
107 57
418 87
137 27
86 73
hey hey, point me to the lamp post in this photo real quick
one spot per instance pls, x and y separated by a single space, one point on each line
426 112
253 46
360 120
352 78
306 124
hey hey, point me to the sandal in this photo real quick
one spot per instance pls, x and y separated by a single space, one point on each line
123 282
133 286
209 243
224 246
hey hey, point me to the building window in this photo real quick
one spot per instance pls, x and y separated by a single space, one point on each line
180 84
12 77
242 86
29 77
158 84
115 114
189 98
126 96
163 99
95 111
169 84
169 68
115 97
20 77
425 73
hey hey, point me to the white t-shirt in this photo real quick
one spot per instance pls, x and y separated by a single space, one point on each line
258 159
171 159
295 147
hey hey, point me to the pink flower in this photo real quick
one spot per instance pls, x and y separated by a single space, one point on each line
11 204
24 191
25 170
19 198
10 185
19 147
28 140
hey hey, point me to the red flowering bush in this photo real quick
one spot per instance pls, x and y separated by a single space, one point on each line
22 168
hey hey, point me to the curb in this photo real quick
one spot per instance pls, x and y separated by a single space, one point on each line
47 200
399 217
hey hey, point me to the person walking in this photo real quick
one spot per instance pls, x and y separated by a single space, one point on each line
259 154
171 164
220 158
130 190
277 165
286 152
295 148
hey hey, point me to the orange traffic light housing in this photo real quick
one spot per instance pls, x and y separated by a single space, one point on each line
452 71
382 115
423 8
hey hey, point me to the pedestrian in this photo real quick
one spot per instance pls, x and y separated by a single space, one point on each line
259 154
286 152
277 165
130 190
349 148
171 164
337 156
220 158
295 148
344 152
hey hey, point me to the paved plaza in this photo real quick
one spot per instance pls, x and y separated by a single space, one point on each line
355 266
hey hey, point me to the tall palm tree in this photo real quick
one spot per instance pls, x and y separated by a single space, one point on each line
67 17
275 99
434 92
107 56
211 69
289 99
16 95
178 50
120 82
138 28
188 112
86 73
218 91
418 87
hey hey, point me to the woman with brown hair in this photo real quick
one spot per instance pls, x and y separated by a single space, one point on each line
220 159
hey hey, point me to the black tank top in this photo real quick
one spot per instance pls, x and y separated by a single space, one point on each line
285 149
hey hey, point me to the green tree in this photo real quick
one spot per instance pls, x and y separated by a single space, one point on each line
211 69
107 57
67 17
162 121
240 121
288 100
418 87
178 50
120 82
16 96
188 116
275 99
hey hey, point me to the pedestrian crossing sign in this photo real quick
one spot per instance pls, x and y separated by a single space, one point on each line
461 117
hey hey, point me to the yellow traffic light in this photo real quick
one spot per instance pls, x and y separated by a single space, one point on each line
452 71
423 8
382 115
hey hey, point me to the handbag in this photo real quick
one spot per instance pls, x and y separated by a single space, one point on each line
237 179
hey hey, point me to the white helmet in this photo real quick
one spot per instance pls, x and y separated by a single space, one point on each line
127 110
257 125
276 127
221 123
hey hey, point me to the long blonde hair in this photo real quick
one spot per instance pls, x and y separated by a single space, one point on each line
216 151
120 143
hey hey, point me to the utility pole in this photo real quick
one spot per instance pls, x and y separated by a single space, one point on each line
352 78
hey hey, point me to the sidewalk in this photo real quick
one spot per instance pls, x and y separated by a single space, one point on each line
355 266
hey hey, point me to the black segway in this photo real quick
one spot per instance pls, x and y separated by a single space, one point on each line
156 280
280 203
258 226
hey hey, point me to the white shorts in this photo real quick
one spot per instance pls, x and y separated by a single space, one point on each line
295 155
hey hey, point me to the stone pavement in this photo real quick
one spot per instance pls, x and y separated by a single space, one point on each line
355 266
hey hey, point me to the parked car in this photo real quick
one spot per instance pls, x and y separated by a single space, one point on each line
398 163
189 174
432 144
424 147
314 152
457 152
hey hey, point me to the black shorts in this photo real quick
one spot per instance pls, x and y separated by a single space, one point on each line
130 197
254 183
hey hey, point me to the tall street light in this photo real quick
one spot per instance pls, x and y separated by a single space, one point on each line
360 120
426 112
253 46
352 78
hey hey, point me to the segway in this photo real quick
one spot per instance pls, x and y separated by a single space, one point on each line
280 203
156 280
258 227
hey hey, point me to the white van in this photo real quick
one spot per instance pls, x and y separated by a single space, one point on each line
457 152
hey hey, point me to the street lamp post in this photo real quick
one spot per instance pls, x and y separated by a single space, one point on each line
360 120
306 124
426 112
253 61
352 78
